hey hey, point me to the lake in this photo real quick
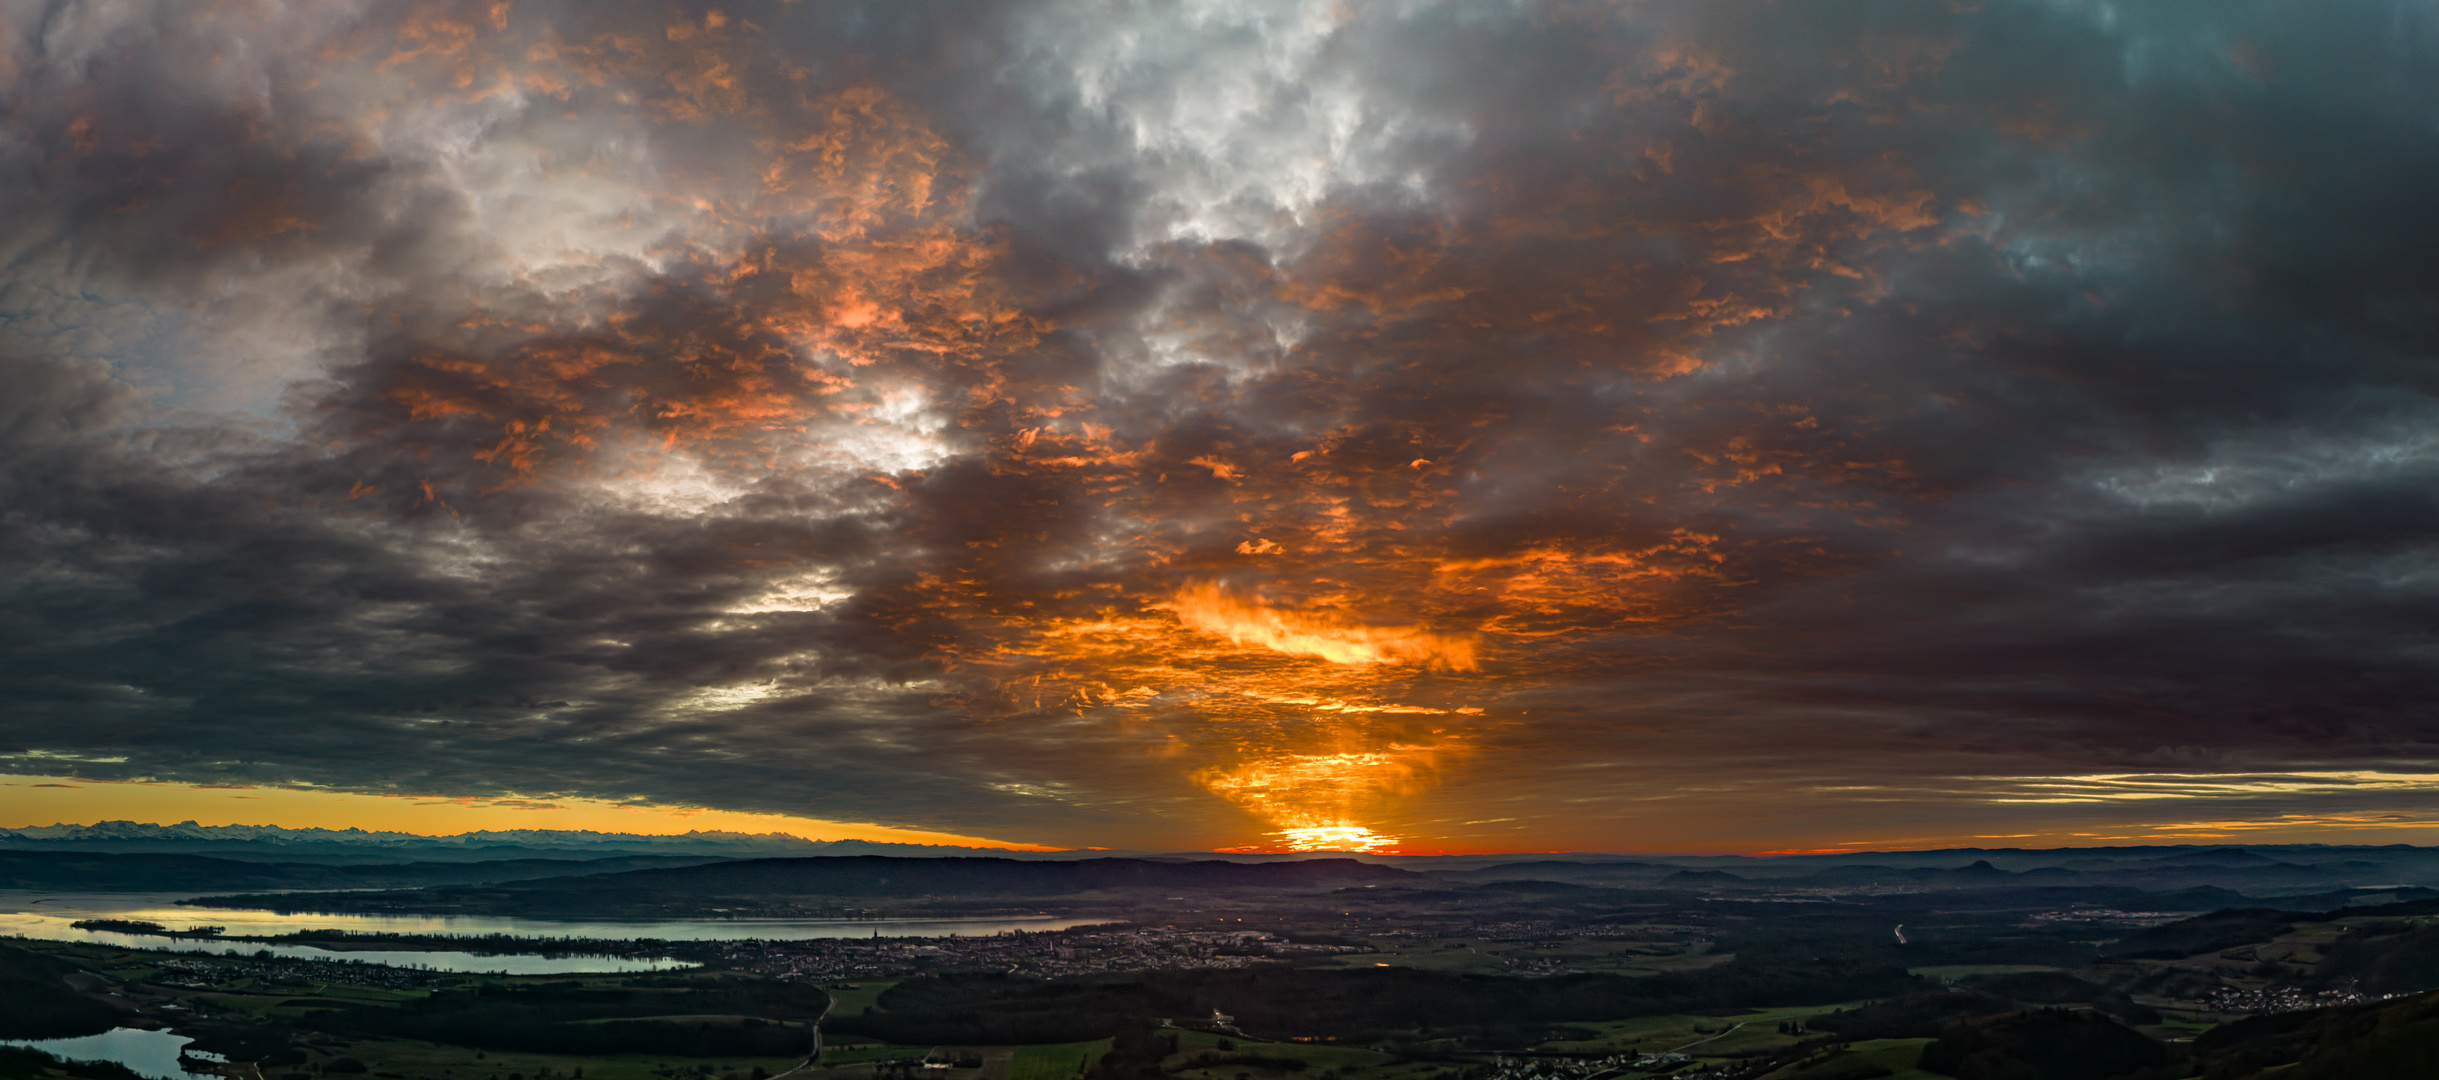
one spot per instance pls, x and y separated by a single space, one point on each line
47 915
154 1054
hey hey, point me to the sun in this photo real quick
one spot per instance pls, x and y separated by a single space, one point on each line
1336 838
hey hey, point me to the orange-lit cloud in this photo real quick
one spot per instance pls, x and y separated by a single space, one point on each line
1119 429
1211 609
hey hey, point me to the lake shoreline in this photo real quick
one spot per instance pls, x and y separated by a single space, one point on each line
455 943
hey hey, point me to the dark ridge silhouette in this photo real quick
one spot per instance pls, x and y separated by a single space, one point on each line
2394 1040
2206 933
2231 856
88 870
2046 1044
882 875
851 876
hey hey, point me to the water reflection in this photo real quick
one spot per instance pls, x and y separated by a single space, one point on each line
153 1054
48 915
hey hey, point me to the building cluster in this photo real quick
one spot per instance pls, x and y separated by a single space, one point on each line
1536 930
1046 954
2108 916
1679 1067
1537 965
1565 1068
2283 999
261 970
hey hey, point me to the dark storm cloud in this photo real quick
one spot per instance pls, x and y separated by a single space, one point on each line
1040 420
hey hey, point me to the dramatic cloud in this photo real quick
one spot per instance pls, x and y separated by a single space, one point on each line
1452 425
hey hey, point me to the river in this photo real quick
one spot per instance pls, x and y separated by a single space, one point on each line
48 915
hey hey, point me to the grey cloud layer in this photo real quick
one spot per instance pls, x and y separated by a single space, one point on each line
747 407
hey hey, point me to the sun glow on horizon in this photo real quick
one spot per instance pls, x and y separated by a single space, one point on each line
34 800
1336 838
1312 801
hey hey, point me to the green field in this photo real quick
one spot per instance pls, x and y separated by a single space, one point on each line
1896 1055
1060 1061
430 1061
1697 1035
280 1013
858 1001
1953 972
1343 1062
850 1055
1484 956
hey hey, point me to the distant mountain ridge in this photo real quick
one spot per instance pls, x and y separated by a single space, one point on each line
2252 867
259 842
171 872
782 886
874 875
862 877
190 830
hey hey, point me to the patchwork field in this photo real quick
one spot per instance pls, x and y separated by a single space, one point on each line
1896 1055
1484 956
1061 1061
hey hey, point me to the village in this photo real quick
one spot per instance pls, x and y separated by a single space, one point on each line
1047 954
266 970
2237 1001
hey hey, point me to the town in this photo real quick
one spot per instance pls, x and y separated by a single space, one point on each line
264 969
1048 954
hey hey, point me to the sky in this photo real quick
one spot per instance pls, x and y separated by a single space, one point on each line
1397 426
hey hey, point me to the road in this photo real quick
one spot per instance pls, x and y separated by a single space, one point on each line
815 1053
1724 1034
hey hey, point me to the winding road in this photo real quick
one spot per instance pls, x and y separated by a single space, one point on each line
814 1054
1724 1034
